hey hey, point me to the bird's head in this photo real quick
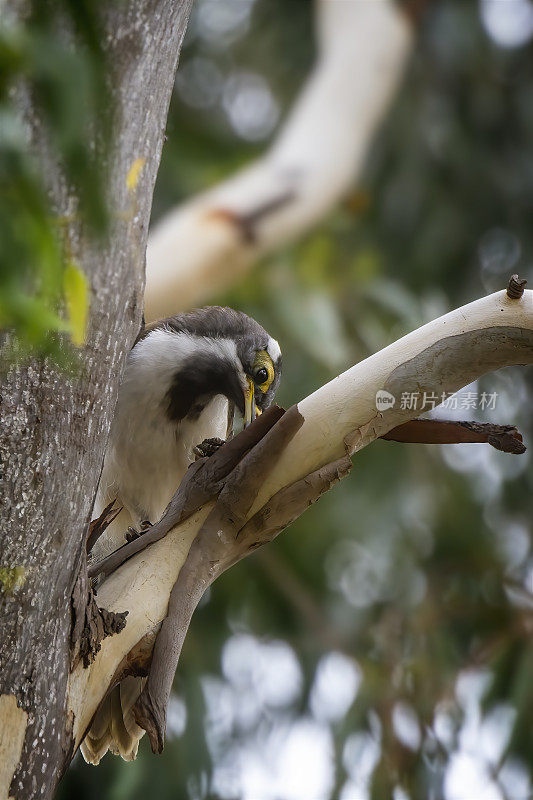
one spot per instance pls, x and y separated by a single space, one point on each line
259 372
211 351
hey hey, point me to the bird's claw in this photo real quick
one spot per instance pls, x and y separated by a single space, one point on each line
207 448
132 533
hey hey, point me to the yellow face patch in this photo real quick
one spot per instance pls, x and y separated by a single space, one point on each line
263 361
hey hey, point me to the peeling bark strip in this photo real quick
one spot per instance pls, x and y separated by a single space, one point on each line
290 502
93 627
54 427
441 431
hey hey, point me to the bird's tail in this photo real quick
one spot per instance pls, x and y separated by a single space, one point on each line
114 727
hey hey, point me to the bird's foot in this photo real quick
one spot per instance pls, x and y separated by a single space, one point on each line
132 533
207 448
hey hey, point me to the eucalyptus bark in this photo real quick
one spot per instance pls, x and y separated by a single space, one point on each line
54 427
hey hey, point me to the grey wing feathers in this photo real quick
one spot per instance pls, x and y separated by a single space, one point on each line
113 727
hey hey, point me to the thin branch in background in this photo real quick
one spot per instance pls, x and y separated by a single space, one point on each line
203 246
289 584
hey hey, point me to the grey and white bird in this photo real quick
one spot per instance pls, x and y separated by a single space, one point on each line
184 379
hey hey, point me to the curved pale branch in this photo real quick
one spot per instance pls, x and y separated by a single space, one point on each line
205 244
442 356
339 418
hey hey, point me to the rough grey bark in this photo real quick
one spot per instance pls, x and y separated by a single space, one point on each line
53 428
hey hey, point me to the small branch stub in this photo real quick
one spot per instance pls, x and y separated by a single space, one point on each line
516 287
99 525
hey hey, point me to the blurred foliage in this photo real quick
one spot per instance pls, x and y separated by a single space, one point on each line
69 94
382 646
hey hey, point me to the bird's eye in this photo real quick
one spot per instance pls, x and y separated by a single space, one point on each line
261 376
263 371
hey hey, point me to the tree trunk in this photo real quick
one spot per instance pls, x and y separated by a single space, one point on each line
53 427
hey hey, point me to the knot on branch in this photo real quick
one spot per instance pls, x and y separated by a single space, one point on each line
516 287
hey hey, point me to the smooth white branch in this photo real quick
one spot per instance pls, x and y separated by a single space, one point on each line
339 418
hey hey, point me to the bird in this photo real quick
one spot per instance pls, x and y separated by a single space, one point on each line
188 378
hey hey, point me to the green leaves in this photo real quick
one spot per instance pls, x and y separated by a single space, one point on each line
65 77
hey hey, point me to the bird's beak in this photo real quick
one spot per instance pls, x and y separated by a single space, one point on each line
251 411
249 403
